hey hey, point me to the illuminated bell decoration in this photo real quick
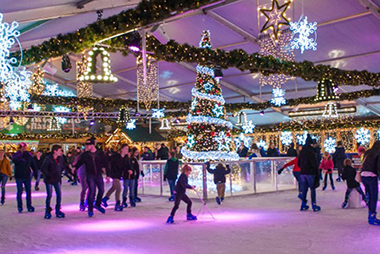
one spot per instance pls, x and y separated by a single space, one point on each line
165 125
330 110
91 75
325 91
242 119
124 116
38 84
54 125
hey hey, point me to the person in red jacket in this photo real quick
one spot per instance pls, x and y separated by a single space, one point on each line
296 171
327 166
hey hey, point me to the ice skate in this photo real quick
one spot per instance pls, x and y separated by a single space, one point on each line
217 199
104 201
316 208
48 213
58 212
31 209
170 220
100 209
304 206
191 217
118 207
372 220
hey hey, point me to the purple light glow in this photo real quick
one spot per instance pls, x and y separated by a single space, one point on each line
95 251
34 195
134 48
231 217
112 226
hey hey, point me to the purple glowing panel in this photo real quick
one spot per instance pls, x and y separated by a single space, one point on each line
134 48
112 226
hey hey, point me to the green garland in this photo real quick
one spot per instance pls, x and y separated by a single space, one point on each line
34 136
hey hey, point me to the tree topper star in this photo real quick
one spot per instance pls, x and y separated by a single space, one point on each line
275 17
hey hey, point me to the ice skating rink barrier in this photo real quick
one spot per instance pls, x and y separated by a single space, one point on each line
258 175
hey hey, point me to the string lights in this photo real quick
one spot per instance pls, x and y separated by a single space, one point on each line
147 91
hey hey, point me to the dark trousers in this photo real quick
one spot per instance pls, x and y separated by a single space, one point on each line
129 185
136 187
171 186
297 176
3 182
178 198
20 183
83 184
331 180
372 188
37 176
93 182
308 182
339 165
68 174
358 189
49 192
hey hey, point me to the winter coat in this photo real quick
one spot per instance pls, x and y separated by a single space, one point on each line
5 167
291 152
126 166
23 162
94 165
171 169
147 156
349 174
219 173
307 160
242 152
317 151
38 162
293 163
182 184
115 169
52 169
273 152
339 156
163 153
371 162
135 167
327 166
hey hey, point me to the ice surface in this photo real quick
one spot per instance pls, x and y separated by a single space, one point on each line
265 223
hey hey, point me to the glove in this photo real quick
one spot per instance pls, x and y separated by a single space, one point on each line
280 171
142 174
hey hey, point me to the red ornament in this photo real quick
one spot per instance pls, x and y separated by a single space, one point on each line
212 133
202 127
228 134
189 126
198 111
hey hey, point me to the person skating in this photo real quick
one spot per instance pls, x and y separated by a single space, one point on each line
5 174
38 160
95 162
219 173
128 177
23 162
81 172
134 163
180 194
51 168
338 157
307 161
171 173
348 175
242 150
327 167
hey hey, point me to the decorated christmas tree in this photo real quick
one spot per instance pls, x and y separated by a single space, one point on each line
209 131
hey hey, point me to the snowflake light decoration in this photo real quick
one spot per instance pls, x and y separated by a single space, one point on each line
223 141
60 109
190 141
330 144
378 134
247 140
278 98
248 128
158 113
208 86
362 136
304 29
55 90
18 84
302 138
218 110
262 144
131 124
194 104
286 138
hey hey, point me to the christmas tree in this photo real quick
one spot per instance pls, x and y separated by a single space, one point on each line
209 131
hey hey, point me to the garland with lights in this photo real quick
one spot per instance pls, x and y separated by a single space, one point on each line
34 136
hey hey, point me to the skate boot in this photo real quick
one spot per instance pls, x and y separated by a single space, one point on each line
333 187
58 212
82 207
316 208
191 217
104 201
222 199
137 199
338 179
324 187
100 209
304 206
133 204
48 213
344 205
90 214
372 220
118 207
171 199
300 195
217 199
124 204
19 209
74 184
2 200
170 220
31 209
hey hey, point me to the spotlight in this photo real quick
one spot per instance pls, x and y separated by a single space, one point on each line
218 72
262 113
135 43
136 113
336 89
11 121
66 64
177 120
92 122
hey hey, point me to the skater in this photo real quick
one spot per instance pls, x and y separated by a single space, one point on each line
128 177
38 160
171 173
349 174
219 173
369 174
327 167
115 171
81 172
296 171
338 157
180 194
134 164
5 173
51 168
23 162
307 161
243 150
95 162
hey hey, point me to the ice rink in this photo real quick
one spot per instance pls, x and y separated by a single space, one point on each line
265 223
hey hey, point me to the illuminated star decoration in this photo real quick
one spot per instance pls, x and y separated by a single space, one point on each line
286 138
275 17
194 104
302 138
190 141
223 141
158 113
330 144
218 110
55 90
208 87
248 128
262 144
278 97
131 124
247 140
304 29
362 136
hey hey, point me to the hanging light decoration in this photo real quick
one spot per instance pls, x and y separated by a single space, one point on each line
66 63
124 116
241 119
165 125
147 92
84 89
326 91
331 110
131 124
54 125
38 84
91 75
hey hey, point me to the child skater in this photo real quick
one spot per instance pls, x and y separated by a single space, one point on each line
349 174
327 166
219 173
180 194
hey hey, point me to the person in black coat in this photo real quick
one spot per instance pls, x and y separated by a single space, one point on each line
23 162
51 168
171 173
128 176
291 151
219 173
272 151
135 167
163 153
349 174
243 150
307 161
147 155
38 160
338 157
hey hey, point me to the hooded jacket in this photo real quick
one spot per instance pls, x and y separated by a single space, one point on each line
23 163
52 169
219 173
171 169
349 174
94 163
307 159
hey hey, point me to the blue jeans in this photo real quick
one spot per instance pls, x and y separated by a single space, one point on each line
372 188
49 191
308 182
136 187
38 178
27 183
3 181
93 182
297 176
171 186
129 184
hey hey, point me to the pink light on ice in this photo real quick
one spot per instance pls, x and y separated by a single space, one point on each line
231 217
34 195
112 226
